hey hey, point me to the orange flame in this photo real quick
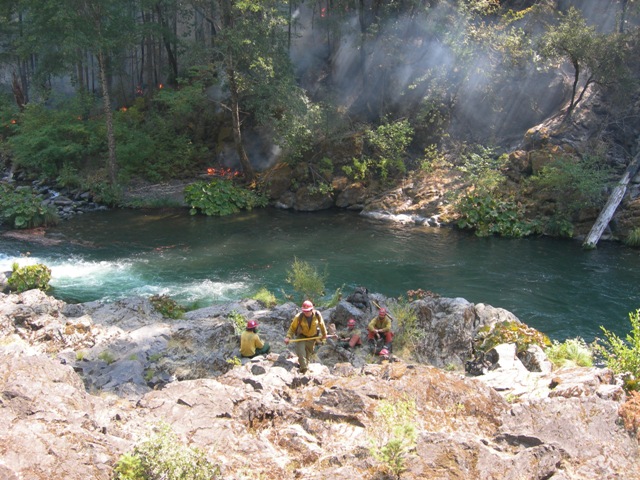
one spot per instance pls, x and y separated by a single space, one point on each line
223 172
160 86
14 121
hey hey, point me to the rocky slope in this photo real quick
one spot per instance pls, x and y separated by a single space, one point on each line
82 384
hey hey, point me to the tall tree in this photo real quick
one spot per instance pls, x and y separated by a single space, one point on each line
250 52
596 58
63 30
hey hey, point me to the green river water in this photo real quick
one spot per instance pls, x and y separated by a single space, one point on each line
552 285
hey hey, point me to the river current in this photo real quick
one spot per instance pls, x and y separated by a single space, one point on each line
552 285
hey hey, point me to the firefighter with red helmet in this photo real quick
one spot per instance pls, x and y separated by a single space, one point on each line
350 337
250 343
380 328
306 328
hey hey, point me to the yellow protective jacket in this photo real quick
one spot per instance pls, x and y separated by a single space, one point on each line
249 341
300 325
377 324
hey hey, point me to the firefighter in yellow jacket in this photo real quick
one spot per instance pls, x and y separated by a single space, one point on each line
306 324
250 343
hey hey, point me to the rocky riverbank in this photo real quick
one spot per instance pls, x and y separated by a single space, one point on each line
83 384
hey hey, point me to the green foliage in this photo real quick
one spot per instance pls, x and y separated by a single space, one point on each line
238 321
335 298
482 167
234 361
633 239
408 333
167 306
575 184
21 207
306 280
107 357
221 197
68 176
164 137
265 297
29 277
48 138
387 144
596 58
571 352
558 225
623 357
393 435
359 169
432 159
489 215
102 191
164 457
509 332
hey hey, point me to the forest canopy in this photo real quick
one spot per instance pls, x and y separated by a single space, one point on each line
97 92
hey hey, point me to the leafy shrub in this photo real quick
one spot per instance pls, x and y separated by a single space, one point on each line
167 306
22 208
388 144
509 332
265 297
164 457
163 136
221 197
573 351
623 357
102 191
234 362
68 176
305 279
482 167
335 297
432 159
47 138
29 277
575 184
489 215
238 321
392 435
558 225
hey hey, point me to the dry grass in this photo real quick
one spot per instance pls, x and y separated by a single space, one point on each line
630 413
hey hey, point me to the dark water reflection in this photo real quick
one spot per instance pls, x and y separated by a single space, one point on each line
552 285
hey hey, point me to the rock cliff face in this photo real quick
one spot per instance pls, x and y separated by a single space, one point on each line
82 384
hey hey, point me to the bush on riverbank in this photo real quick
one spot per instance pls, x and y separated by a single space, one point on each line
30 277
623 356
221 197
22 208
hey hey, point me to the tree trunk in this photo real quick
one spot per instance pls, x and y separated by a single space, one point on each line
173 61
112 164
612 204
236 127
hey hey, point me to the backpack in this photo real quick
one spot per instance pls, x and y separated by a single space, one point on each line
359 298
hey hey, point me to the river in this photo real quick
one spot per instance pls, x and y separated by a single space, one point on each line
552 285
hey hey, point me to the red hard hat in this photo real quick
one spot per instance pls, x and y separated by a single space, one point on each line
384 352
307 306
351 322
382 312
252 324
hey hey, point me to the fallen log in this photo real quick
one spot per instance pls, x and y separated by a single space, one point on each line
612 204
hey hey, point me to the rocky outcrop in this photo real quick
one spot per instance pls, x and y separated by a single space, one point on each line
69 410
